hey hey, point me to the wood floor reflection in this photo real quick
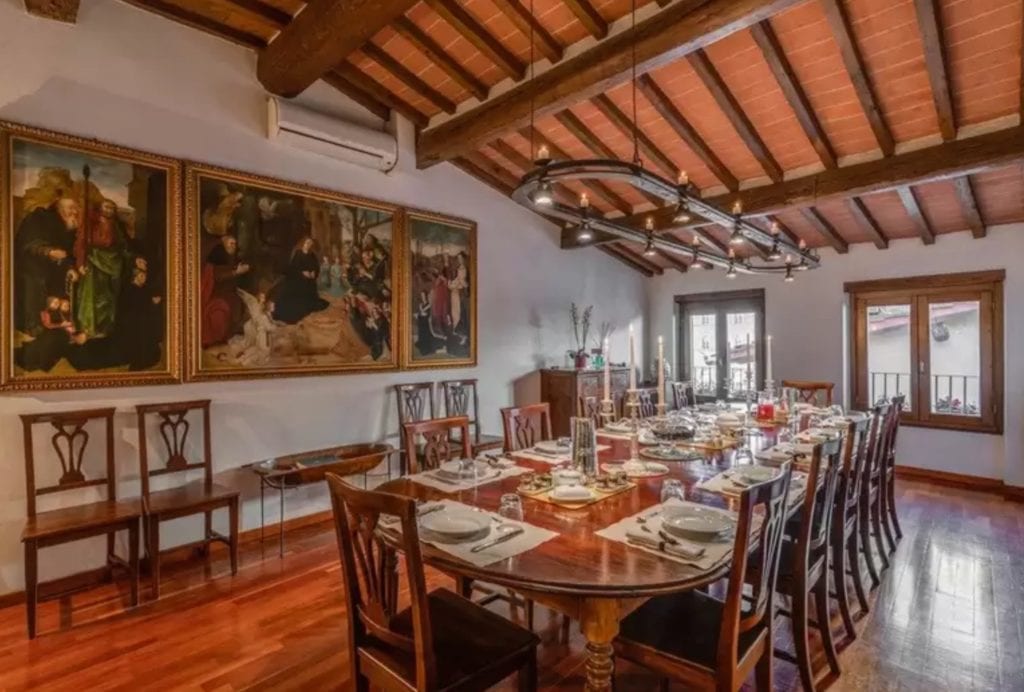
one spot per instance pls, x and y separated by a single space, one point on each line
949 615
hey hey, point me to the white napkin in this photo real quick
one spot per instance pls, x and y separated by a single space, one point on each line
451 485
572 492
679 547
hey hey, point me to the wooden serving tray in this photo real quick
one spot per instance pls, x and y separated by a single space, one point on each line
600 494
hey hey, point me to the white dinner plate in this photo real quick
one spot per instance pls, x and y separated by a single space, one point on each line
456 524
688 521
453 469
755 474
552 447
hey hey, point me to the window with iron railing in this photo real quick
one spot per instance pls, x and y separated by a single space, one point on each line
936 340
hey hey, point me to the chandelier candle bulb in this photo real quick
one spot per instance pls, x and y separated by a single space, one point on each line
584 201
542 153
684 179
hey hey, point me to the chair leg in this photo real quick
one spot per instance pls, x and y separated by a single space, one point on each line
566 623
876 530
528 606
864 531
890 506
883 520
825 624
233 534
763 671
853 557
842 591
464 587
133 562
528 674
207 532
803 654
31 585
153 546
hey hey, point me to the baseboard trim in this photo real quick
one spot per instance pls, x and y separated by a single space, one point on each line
96 577
961 480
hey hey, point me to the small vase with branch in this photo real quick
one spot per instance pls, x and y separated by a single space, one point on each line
580 331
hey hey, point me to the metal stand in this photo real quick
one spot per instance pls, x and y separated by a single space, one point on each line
276 484
607 412
660 408
633 409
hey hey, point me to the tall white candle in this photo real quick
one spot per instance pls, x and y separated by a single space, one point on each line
661 370
632 362
768 360
748 361
607 371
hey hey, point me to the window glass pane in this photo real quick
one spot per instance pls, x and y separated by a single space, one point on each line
741 361
702 354
955 351
888 350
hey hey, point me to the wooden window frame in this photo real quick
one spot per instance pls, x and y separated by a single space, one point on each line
919 292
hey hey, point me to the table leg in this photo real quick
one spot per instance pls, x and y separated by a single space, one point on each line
599 623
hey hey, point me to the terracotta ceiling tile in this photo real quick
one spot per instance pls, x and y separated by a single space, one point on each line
1000 194
941 206
409 56
454 44
838 214
392 84
888 210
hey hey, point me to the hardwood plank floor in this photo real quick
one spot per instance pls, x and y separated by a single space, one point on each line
947 616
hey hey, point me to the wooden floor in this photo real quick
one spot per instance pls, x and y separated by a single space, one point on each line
949 615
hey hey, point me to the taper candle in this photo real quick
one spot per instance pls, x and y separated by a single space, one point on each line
632 361
607 372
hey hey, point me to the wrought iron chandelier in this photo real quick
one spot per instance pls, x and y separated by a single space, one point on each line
536 190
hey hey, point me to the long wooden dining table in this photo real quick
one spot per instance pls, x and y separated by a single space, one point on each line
595 581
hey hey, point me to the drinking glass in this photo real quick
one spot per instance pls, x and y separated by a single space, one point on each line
672 489
511 507
743 455
469 471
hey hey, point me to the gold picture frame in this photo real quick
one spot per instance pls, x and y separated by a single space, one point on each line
94 350
439 295
309 330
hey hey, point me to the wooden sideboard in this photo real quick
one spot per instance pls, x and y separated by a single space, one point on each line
564 388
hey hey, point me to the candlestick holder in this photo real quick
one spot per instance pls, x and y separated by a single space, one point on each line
660 408
607 412
633 413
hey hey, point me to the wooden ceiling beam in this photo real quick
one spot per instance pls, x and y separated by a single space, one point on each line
470 165
867 221
589 17
665 36
783 229
636 257
473 31
673 259
359 79
363 98
779 64
406 76
930 24
826 229
671 115
58 10
969 206
198 21
713 82
913 207
526 23
430 48
272 15
624 124
613 250
321 37
521 162
842 31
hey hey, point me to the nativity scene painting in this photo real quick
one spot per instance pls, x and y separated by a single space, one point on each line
286 279
441 265
90 239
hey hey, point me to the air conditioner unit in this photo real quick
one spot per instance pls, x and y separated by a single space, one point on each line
328 136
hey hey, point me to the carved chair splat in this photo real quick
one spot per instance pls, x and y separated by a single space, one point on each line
525 426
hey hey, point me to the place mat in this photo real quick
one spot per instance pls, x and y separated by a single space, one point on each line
637 471
544 495
553 459
785 451
446 485
723 484
531 537
629 531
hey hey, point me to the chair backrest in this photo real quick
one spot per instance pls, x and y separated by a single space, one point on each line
525 426
415 402
876 439
683 395
647 398
174 429
439 443
808 391
855 455
819 500
889 451
590 407
461 399
764 502
69 440
370 574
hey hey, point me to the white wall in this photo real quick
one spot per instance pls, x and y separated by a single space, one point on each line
126 76
805 319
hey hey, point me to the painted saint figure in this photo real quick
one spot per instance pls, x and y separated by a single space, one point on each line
221 305
299 296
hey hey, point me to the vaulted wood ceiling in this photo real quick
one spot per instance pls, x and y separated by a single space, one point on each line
844 121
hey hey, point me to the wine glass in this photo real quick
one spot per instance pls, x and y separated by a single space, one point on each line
672 489
511 507
743 455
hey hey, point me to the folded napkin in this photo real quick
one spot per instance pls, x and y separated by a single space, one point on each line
572 492
676 546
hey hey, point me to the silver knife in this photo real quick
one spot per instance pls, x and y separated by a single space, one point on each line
505 536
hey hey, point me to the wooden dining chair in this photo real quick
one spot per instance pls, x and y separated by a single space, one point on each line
706 643
415 402
810 391
647 398
683 395
70 440
845 539
525 426
890 520
870 505
590 407
803 568
461 399
198 497
441 641
440 442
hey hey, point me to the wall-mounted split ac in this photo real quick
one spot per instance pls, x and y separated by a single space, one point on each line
307 129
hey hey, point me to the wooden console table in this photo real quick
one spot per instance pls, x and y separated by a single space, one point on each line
563 389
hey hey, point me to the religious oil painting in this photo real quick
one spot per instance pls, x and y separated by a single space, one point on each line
285 279
441 284
90 252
